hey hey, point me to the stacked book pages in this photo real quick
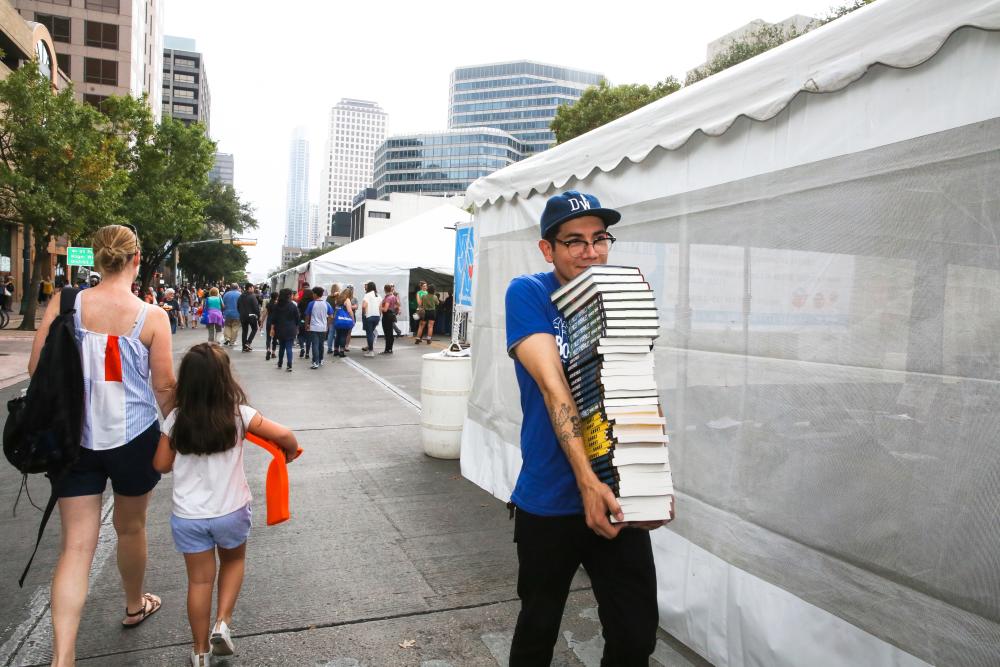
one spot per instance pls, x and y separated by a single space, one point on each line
611 321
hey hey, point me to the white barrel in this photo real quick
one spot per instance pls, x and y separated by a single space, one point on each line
445 383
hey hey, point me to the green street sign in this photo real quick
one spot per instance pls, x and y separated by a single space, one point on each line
79 256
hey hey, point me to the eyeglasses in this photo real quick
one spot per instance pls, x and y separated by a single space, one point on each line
136 233
576 247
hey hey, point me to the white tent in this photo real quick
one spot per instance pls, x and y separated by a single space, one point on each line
423 245
821 226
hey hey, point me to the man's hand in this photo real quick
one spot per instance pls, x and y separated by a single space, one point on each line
598 502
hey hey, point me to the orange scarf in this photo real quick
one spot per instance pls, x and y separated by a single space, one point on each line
276 487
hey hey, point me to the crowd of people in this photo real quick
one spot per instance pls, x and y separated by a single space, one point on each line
317 321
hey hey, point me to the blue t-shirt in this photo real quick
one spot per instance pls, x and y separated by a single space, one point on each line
546 485
229 309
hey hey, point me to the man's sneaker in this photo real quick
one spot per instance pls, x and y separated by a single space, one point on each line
302 353
222 642
289 369
314 367
369 354
267 356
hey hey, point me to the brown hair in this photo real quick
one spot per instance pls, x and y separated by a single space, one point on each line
114 248
214 291
208 403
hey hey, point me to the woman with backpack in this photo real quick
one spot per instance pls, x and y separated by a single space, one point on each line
125 350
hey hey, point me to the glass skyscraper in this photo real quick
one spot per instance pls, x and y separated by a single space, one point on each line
518 97
297 203
442 163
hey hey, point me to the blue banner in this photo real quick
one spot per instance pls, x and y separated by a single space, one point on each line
464 264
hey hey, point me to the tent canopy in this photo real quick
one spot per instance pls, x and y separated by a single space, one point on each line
900 34
828 283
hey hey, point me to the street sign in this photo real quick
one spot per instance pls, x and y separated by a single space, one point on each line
79 256
464 261
4 263
244 241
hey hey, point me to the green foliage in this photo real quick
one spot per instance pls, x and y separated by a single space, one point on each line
604 103
764 39
225 215
58 171
165 197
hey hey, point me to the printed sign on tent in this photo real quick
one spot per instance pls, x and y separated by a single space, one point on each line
464 265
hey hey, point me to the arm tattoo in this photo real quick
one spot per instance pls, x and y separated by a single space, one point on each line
565 425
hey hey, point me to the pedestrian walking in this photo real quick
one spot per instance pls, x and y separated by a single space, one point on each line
231 313
428 314
284 325
304 299
270 342
343 322
334 300
319 317
390 313
371 309
212 316
249 309
196 307
202 444
170 306
125 347
184 314
349 291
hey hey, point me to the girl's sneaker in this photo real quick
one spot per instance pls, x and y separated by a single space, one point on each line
200 659
221 640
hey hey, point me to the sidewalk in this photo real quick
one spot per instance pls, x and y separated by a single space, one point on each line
391 557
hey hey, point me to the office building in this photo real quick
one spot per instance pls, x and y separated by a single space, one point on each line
297 197
518 97
20 42
316 233
222 170
442 163
796 24
357 128
107 47
185 82
369 214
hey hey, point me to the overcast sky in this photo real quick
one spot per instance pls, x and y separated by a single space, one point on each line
275 65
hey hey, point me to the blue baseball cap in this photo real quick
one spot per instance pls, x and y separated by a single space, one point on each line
572 204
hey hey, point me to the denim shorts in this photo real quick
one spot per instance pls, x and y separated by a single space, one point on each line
129 467
192 536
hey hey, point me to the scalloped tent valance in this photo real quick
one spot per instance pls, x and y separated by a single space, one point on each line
894 33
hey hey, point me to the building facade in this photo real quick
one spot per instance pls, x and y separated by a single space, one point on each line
107 47
21 41
357 128
186 95
223 169
519 97
442 163
297 197
369 214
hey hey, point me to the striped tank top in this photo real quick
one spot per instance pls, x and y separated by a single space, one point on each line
118 398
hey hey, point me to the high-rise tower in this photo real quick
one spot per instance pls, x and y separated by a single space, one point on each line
357 128
297 211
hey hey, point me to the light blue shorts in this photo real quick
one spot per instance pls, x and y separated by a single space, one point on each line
192 536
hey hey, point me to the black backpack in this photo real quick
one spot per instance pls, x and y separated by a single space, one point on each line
44 427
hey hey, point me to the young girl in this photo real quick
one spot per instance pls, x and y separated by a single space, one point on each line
202 442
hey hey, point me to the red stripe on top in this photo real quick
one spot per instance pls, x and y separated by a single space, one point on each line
112 361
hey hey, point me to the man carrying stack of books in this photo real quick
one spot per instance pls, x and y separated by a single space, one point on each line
566 514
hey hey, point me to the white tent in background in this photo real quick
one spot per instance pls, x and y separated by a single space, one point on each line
820 226
422 247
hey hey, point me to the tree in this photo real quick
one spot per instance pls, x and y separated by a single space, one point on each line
604 103
57 167
764 39
225 216
165 197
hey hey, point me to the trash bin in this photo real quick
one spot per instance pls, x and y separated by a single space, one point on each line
445 381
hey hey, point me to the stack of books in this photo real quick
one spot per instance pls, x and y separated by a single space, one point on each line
611 322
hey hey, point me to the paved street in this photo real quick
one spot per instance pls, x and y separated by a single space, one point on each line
391 557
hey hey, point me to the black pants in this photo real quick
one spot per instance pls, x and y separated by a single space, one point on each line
251 325
622 574
389 331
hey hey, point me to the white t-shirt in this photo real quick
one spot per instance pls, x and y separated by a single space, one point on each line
210 485
374 304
